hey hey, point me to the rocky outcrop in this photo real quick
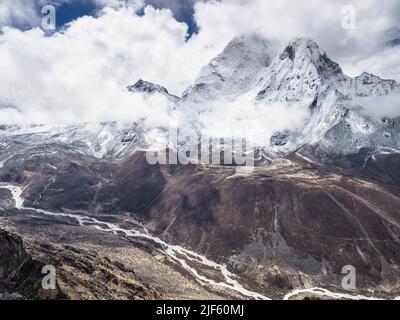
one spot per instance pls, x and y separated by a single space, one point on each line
146 87
80 274
21 275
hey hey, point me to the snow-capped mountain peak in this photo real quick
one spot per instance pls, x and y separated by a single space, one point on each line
283 99
232 72
300 71
147 87
368 84
307 51
150 88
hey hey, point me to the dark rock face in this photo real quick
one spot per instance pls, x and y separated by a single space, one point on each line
280 138
150 88
385 169
12 253
80 274
20 275
145 86
288 53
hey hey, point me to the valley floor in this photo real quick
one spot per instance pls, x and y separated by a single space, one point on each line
95 258
93 264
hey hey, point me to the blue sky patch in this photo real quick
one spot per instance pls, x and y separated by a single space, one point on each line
70 11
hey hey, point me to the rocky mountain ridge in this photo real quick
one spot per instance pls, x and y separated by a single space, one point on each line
253 73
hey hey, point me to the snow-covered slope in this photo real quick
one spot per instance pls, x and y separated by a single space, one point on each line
300 72
279 100
368 84
233 72
249 78
107 140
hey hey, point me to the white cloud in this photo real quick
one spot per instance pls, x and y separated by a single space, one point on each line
379 107
18 11
81 72
385 63
256 122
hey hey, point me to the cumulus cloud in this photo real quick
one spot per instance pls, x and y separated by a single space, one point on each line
80 72
384 63
380 107
256 122
20 12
